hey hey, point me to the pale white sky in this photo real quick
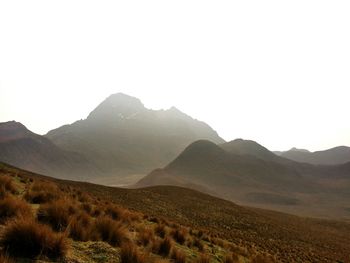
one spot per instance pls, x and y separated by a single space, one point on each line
277 72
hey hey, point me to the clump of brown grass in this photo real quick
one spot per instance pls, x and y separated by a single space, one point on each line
179 235
42 192
87 207
115 212
80 227
130 254
146 236
198 243
83 197
27 238
57 213
6 186
110 231
11 207
165 246
178 256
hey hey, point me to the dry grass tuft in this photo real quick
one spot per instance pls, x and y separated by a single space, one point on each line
130 254
146 236
80 227
27 238
178 256
160 230
179 235
42 192
6 186
115 212
165 246
11 207
198 243
110 231
57 213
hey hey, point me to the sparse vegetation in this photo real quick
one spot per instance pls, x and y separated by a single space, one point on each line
66 216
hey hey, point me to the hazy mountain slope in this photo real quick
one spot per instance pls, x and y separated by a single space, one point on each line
336 155
248 147
206 163
27 150
122 137
281 185
289 238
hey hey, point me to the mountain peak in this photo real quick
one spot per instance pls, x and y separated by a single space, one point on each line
118 104
294 149
12 130
248 147
12 125
201 148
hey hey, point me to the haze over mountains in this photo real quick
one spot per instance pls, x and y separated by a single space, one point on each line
121 141
123 138
248 173
336 155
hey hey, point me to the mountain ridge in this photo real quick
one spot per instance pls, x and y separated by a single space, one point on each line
276 183
332 156
124 139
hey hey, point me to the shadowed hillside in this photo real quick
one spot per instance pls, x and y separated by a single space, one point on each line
257 177
25 149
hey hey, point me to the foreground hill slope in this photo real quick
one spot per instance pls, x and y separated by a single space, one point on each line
27 150
268 181
247 231
333 156
122 137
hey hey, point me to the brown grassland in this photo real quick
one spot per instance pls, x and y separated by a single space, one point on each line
48 220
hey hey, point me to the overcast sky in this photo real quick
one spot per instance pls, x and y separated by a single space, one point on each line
277 72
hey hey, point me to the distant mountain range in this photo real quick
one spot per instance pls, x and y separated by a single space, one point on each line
248 173
119 141
336 155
